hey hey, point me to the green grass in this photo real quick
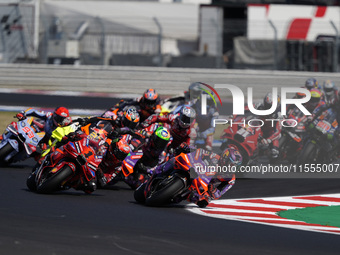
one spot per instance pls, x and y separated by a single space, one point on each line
323 215
5 119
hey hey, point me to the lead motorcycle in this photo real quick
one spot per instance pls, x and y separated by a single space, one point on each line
21 140
174 180
72 164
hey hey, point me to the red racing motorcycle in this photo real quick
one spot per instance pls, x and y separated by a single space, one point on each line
72 165
243 137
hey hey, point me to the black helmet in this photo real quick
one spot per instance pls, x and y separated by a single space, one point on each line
194 90
186 117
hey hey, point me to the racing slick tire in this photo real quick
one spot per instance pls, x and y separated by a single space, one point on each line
53 182
4 151
30 182
163 196
139 193
308 154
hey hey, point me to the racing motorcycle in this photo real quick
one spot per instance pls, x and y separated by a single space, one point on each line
174 180
21 140
130 174
319 145
291 140
73 164
243 137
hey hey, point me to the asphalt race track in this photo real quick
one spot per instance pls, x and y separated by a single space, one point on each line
110 222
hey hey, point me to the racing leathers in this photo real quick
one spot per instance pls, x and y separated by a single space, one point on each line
218 185
271 132
204 125
179 135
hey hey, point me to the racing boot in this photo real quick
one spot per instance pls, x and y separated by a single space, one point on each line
101 179
87 186
135 180
274 155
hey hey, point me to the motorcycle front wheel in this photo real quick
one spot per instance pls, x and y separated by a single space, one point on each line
30 182
139 194
4 151
51 182
308 154
162 195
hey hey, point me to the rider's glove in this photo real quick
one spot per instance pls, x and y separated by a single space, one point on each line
115 133
145 133
82 121
21 115
145 123
184 147
70 137
309 120
151 119
266 141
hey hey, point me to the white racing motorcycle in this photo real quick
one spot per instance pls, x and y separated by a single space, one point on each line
21 140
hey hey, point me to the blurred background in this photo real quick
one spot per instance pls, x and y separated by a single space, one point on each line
297 35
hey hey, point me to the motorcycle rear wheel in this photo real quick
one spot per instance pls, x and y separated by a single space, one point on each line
53 183
163 196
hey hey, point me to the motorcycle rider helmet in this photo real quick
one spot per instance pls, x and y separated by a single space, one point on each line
149 100
268 101
186 117
160 138
120 149
231 156
61 117
194 90
311 83
328 87
130 118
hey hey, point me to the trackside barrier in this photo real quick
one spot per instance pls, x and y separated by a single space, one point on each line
134 80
